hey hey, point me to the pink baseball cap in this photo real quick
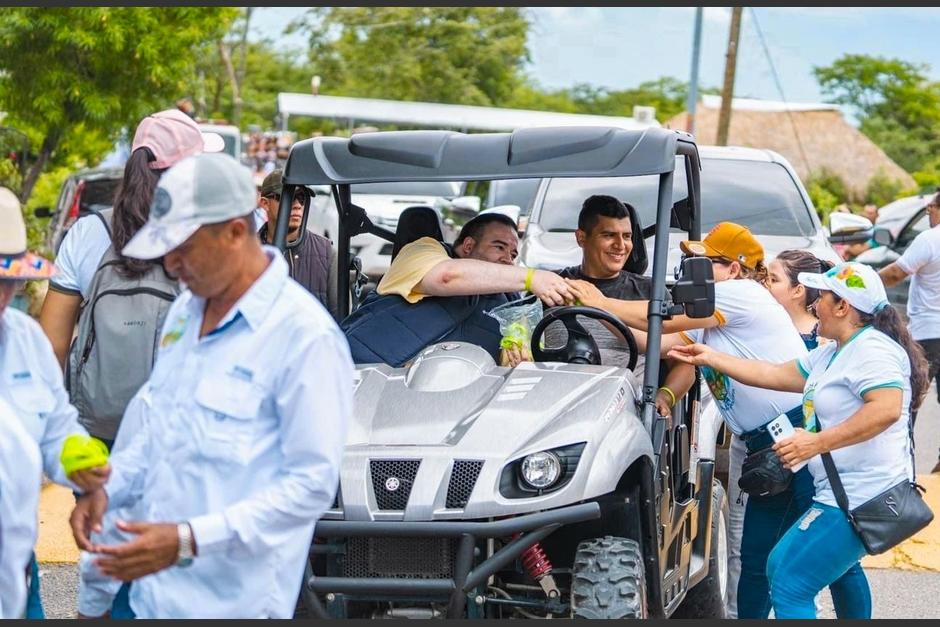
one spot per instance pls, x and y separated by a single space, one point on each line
171 136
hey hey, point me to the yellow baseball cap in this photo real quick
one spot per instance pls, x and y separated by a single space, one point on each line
730 241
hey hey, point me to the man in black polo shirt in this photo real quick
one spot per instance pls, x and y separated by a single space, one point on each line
312 263
605 235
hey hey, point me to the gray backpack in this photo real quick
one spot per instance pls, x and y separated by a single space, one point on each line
119 327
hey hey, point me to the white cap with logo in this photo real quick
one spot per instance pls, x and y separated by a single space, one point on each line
203 189
854 282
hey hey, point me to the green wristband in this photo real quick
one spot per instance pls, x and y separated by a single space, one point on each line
528 279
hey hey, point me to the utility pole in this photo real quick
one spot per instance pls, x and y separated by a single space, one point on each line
692 100
727 89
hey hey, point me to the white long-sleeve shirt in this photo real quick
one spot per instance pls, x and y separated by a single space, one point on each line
31 382
20 478
245 440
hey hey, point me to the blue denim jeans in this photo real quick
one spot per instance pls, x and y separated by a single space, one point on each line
34 609
821 549
766 520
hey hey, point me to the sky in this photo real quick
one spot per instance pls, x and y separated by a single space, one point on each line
621 47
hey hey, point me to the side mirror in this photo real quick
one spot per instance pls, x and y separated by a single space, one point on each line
43 212
694 291
883 236
848 228
469 204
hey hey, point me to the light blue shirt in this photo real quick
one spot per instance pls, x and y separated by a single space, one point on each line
31 382
245 439
20 476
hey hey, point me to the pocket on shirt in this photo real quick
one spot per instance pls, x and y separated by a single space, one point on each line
231 410
33 401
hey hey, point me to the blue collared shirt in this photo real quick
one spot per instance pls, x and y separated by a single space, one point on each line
245 439
31 382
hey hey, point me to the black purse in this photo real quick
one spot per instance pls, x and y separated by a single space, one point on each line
763 474
889 518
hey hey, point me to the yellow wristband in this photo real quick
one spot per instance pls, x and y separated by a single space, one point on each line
528 279
81 452
671 394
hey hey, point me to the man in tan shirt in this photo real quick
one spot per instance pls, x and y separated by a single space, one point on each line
433 292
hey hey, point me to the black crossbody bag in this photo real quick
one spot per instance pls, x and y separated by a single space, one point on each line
889 518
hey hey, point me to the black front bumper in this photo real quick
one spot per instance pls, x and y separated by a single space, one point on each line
466 577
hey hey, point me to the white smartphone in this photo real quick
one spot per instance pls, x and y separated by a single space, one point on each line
780 428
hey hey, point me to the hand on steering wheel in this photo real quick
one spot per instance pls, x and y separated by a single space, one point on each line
581 347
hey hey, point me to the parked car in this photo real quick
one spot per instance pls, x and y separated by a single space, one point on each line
553 488
81 193
904 219
384 203
230 135
756 188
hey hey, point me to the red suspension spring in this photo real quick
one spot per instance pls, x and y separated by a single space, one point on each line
536 562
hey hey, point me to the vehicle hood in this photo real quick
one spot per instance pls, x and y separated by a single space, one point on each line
451 400
454 406
552 251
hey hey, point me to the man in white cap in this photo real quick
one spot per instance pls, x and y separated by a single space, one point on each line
250 399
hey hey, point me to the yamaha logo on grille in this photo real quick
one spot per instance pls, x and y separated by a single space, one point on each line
392 484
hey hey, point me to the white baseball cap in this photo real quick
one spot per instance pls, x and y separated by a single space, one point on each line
855 282
203 189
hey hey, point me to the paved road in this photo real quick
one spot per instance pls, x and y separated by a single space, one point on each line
895 594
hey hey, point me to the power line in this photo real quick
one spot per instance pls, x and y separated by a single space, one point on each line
773 71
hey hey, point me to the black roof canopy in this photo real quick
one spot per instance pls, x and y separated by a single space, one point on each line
574 151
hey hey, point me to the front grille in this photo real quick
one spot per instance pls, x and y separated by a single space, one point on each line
462 479
402 558
392 480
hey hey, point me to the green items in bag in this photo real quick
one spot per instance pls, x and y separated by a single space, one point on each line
81 452
516 321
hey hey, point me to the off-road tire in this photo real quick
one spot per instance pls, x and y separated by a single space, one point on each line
608 579
707 599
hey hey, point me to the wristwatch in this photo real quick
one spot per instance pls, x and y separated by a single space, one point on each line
184 555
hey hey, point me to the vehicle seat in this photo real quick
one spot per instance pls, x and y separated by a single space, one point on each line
638 260
415 223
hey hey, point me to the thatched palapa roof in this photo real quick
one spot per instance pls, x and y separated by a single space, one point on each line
812 137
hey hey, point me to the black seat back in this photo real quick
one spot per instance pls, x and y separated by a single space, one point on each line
415 223
638 260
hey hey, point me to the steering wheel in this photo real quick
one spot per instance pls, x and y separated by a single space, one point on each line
581 347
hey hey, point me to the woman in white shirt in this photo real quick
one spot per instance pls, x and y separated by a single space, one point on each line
858 392
750 324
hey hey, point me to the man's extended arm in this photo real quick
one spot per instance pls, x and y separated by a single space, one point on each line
463 277
892 274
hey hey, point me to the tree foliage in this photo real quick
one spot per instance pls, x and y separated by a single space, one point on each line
898 107
465 55
95 69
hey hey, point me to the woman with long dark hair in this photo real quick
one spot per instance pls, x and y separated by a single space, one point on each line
796 298
858 394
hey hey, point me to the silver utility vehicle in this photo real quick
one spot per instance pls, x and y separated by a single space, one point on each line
550 489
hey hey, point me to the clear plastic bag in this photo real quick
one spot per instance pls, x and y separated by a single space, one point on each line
516 320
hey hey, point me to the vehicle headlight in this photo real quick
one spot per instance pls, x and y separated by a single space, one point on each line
541 470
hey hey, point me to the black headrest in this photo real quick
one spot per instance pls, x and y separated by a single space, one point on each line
415 223
638 260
